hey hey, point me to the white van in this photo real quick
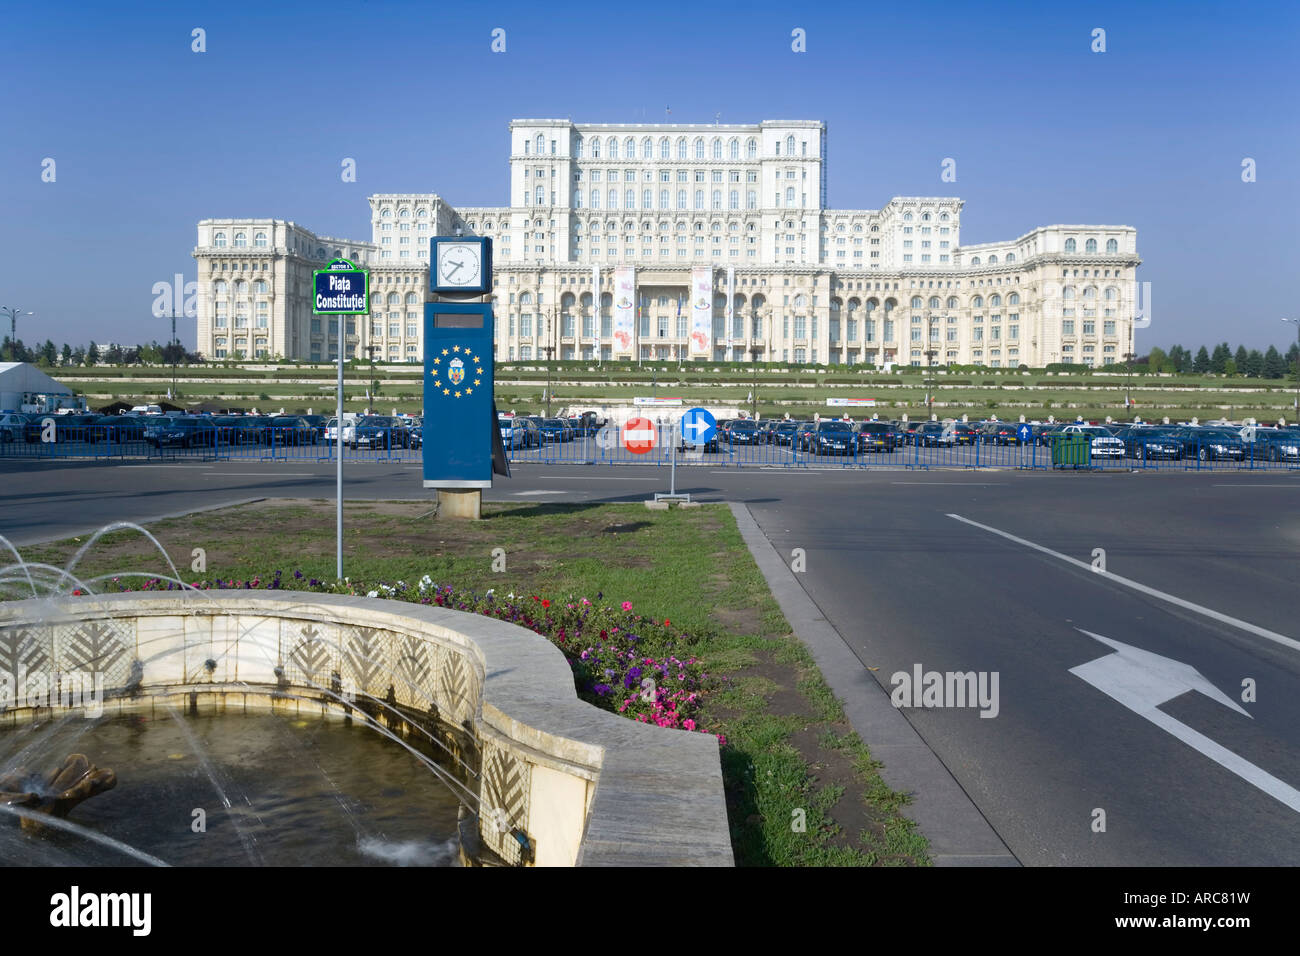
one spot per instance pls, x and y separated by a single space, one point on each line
146 410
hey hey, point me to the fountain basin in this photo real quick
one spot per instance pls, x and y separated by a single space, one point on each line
558 782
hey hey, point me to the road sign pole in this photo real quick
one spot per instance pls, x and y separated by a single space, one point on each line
672 481
338 480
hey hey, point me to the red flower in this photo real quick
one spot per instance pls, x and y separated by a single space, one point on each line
667 623
546 603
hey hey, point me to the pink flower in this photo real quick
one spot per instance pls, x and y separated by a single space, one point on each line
627 605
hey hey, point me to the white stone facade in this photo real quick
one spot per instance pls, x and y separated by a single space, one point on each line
812 284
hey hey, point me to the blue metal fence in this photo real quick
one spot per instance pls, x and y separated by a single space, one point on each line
1272 450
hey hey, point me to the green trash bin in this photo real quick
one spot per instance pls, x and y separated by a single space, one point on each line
1072 451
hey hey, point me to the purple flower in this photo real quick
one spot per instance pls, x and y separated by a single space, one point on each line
298 575
634 673
602 689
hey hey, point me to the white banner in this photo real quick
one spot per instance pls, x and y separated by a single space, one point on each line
701 311
595 305
657 401
624 313
731 299
837 402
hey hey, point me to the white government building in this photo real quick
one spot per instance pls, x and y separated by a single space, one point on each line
741 207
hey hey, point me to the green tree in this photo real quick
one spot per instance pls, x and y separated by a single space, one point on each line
113 355
92 354
1156 359
1240 357
78 355
1253 367
1229 366
1219 358
1202 363
67 353
1274 364
49 352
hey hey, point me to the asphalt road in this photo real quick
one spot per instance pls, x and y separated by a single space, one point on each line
988 572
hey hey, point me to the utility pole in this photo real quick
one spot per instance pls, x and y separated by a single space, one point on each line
13 312
374 381
1296 420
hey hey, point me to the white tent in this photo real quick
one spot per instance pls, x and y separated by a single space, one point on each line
22 383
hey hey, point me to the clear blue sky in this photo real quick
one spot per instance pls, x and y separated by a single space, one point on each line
149 137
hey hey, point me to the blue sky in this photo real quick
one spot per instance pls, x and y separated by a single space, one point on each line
150 137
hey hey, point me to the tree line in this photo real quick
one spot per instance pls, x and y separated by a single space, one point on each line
1222 361
50 355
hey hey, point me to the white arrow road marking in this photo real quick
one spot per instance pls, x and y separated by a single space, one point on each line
1144 589
1142 681
639 434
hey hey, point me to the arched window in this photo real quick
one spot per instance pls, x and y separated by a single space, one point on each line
219 288
934 302
405 213
525 298
412 299
1111 295
1090 245
734 149
751 200
734 199
629 199
952 302
1067 292
977 302
387 212
1112 245
260 287
241 240
577 149
916 301
665 150
699 147
647 148
789 145
1013 298
789 196
613 199
647 199
577 199
541 144
595 148
259 240
394 299
629 148
663 199
1011 257
1089 292
717 199
219 240
1070 245
975 261
993 260
681 147
943 217
907 217
751 148
994 301
699 199
681 199
716 150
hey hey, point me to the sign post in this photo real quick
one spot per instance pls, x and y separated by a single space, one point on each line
340 289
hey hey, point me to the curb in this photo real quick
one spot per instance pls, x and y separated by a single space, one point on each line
959 834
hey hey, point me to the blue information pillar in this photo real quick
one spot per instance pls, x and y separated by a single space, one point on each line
459 425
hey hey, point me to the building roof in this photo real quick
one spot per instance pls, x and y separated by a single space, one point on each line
25 377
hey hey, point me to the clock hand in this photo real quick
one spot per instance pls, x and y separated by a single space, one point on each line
456 265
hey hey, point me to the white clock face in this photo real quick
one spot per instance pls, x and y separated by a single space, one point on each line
459 264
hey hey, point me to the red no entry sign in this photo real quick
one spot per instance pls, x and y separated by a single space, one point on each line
639 435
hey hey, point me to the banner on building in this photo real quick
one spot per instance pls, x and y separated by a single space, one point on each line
701 311
731 299
595 305
624 297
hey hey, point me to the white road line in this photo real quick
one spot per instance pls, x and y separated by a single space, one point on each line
593 478
979 484
1251 484
172 466
265 474
1144 589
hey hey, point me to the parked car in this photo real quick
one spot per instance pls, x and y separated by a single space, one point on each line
877 437
1148 442
187 432
1211 444
514 433
999 433
556 430
292 430
783 432
831 437
349 430
958 433
926 434
377 431
12 426
1103 443
745 431
1275 444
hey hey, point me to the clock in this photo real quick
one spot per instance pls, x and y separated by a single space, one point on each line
461 265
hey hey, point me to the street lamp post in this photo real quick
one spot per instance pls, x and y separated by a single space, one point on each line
929 355
753 395
13 312
374 382
1128 381
1297 372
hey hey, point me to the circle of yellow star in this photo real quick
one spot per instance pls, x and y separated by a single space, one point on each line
455 348
458 394
437 384
475 381
479 371
436 361
444 351
446 391
468 391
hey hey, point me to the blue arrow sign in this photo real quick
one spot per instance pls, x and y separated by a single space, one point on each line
1024 433
698 426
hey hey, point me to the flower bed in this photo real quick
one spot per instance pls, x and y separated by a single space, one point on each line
622 661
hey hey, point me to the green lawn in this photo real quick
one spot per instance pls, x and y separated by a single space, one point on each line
789 747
